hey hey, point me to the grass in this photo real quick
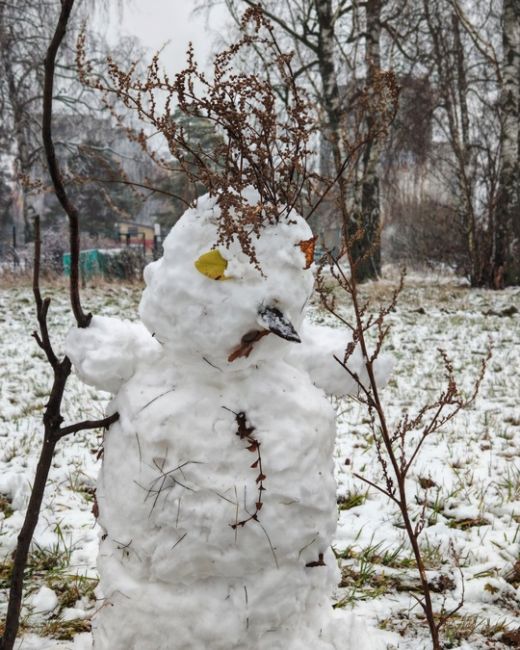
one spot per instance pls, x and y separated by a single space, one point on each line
5 506
461 628
388 556
70 588
50 567
6 567
43 560
55 557
464 524
64 630
363 573
80 483
432 554
478 453
508 485
352 499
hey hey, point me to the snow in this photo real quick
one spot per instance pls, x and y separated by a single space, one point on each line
44 600
106 354
322 351
196 319
473 461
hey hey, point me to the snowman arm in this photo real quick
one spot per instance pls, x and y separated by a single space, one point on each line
105 354
316 354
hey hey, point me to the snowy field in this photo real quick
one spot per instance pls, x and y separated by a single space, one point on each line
468 474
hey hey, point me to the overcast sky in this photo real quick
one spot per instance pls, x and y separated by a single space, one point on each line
156 22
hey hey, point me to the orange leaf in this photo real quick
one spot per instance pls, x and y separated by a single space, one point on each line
307 247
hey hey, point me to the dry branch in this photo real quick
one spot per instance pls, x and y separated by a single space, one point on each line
394 455
54 169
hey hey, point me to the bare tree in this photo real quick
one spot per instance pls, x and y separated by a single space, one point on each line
453 86
469 54
398 445
20 85
475 76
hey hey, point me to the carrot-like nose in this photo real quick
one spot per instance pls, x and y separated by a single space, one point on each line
272 319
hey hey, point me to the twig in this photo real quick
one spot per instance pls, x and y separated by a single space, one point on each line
82 319
390 443
245 432
88 424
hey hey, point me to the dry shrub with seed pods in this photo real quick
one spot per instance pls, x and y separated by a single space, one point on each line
261 143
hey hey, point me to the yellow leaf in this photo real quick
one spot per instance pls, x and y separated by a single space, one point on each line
213 265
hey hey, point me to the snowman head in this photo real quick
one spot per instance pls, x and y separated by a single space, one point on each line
213 303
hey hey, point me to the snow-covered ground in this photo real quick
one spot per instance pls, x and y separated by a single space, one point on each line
469 473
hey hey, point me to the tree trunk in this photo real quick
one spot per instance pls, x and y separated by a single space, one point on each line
464 156
367 249
24 543
332 131
505 265
450 62
366 213
21 218
331 98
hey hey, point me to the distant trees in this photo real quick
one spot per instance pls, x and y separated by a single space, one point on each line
25 27
457 74
91 166
109 177
474 58
445 175
21 50
466 186
201 137
25 30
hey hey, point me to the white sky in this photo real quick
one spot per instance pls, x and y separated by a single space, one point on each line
157 22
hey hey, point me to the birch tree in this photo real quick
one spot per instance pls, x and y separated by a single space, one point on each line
505 264
470 54
473 52
449 64
20 84
368 219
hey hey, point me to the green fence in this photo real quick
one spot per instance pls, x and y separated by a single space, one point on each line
126 263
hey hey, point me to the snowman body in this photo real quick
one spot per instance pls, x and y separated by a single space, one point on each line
216 494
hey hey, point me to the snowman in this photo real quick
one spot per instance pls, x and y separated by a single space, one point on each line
216 495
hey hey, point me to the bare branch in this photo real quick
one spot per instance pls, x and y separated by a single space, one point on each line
42 306
82 319
88 424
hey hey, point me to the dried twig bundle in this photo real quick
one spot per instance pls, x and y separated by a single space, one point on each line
259 143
